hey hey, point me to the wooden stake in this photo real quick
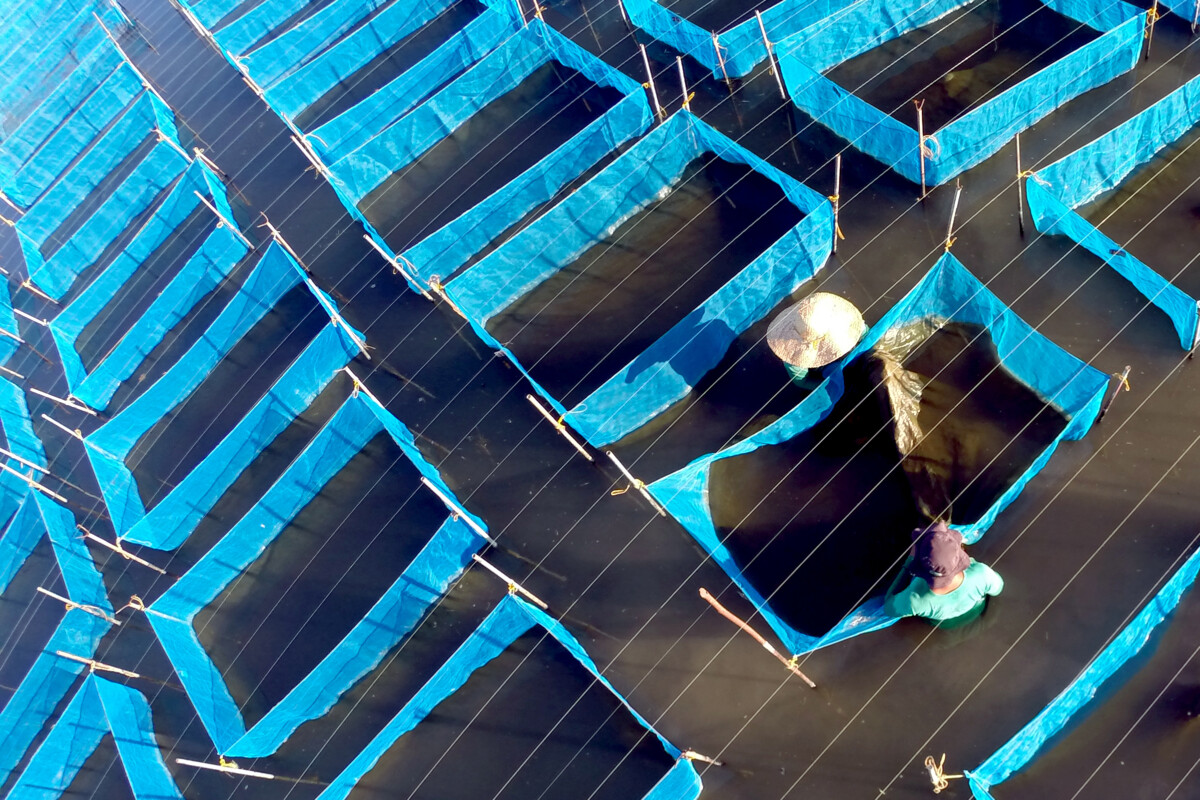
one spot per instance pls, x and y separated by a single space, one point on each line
953 213
226 767
1122 383
119 550
32 483
635 483
78 434
14 373
727 614
658 111
222 221
458 511
625 15
31 318
1151 17
63 402
404 273
24 461
837 199
1196 17
721 60
72 605
13 336
692 755
559 426
920 104
687 98
95 666
1020 188
513 586
771 56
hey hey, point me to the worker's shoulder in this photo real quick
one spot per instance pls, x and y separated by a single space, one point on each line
985 576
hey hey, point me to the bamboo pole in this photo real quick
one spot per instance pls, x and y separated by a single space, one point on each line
953 214
687 98
658 110
459 511
33 484
1020 188
559 426
400 270
222 221
727 614
31 318
78 434
837 199
119 550
692 755
1122 383
513 586
771 55
27 285
1196 18
72 605
1151 17
227 768
95 666
635 483
63 402
920 104
721 60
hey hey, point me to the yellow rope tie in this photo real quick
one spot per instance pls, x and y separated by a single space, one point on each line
1120 376
937 773
222 761
512 588
1153 15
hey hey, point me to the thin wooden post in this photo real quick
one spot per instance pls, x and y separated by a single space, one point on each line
625 15
953 214
771 56
635 483
33 484
687 98
459 511
721 60
1151 17
727 614
119 550
31 318
221 221
27 285
658 110
837 199
1020 189
1196 17
559 426
513 586
78 434
95 666
692 755
63 402
920 104
411 278
72 605
1122 383
12 372
228 768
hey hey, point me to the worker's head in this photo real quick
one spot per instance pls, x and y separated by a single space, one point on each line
938 555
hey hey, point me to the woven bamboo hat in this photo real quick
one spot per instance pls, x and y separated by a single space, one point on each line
815 331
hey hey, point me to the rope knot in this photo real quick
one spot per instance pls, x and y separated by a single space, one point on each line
937 774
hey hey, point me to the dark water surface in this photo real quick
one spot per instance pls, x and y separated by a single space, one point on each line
716 15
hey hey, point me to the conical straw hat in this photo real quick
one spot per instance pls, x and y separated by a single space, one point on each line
819 329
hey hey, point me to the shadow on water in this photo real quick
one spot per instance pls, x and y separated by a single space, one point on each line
583 324
540 726
282 616
818 519
390 64
544 111
962 60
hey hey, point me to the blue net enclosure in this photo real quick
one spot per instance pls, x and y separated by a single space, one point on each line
948 295
724 35
512 619
212 246
118 178
645 373
99 709
110 446
87 619
22 445
440 556
869 103
1026 744
1116 194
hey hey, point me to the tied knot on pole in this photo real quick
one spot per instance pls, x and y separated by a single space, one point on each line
227 763
636 483
926 150
1122 380
937 773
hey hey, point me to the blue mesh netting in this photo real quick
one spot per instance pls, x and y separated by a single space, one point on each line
54 264
31 73
507 622
205 268
741 45
1101 166
79 632
948 292
91 94
1024 746
424 580
975 135
8 324
99 708
170 521
20 440
300 86
681 356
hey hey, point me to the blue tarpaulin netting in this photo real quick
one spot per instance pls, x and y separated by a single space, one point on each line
511 619
206 267
948 292
100 708
1018 751
56 43
737 49
423 580
679 358
1098 167
53 260
980 132
10 332
47 682
21 442
172 519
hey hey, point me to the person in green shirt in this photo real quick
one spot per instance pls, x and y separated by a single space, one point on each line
940 582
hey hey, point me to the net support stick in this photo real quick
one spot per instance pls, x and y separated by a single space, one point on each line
28 286
63 401
771 55
401 270
513 586
692 755
953 214
729 615
635 483
658 110
1122 382
33 484
229 768
119 550
222 221
1020 189
920 104
96 666
687 98
1151 17
71 605
559 426
721 61
458 511
836 200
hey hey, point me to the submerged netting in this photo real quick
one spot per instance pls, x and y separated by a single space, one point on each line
1104 165
100 708
423 580
118 179
205 268
949 293
79 632
510 620
671 365
730 44
170 521
807 58
1018 751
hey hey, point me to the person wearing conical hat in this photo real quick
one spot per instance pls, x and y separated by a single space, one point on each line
814 332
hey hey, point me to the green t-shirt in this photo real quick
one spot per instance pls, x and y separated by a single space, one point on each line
918 600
